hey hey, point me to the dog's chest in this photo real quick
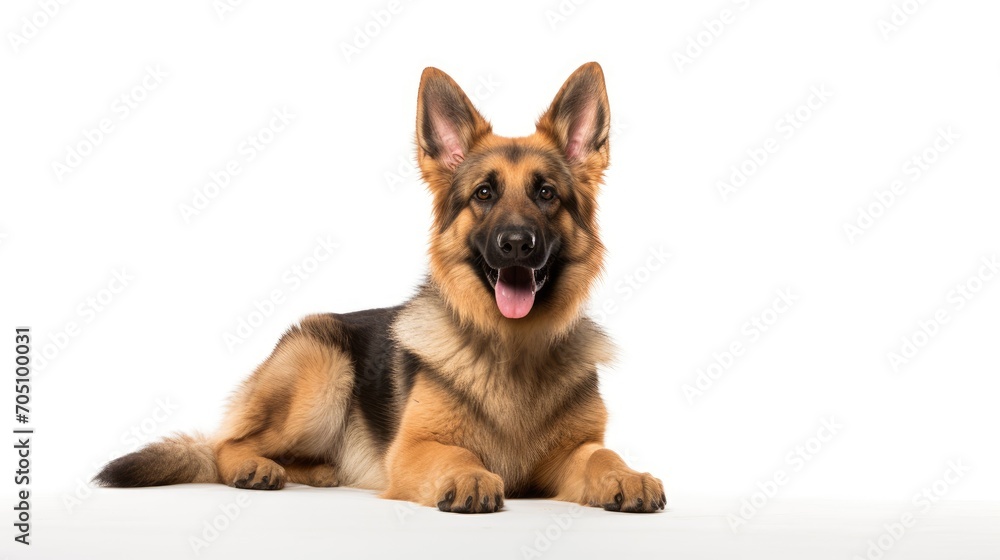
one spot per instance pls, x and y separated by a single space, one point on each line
516 418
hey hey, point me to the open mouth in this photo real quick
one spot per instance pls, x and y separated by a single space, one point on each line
516 287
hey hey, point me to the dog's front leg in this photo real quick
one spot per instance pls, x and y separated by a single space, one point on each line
596 476
449 477
427 465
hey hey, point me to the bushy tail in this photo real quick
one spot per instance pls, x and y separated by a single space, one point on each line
175 460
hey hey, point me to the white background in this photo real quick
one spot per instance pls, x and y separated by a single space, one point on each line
678 132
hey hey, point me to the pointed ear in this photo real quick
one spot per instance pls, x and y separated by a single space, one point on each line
447 123
579 119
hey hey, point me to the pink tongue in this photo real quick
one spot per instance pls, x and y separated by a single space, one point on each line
515 291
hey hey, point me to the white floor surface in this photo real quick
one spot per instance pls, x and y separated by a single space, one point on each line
302 522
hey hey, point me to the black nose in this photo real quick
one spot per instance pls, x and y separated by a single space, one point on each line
516 243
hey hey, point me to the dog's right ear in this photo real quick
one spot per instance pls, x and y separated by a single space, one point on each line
447 123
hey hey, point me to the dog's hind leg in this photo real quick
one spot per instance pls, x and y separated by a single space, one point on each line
293 411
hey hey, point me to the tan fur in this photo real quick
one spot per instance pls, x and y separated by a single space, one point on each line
428 462
521 395
294 408
480 406
458 284
527 426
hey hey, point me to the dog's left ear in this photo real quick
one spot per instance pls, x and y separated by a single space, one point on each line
447 123
579 118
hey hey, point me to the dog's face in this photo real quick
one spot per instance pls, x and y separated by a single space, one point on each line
515 234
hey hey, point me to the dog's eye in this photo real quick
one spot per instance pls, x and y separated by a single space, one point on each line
484 192
547 192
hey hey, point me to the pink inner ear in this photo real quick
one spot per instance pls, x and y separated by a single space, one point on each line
452 153
581 130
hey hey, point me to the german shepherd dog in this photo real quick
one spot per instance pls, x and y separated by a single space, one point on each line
481 387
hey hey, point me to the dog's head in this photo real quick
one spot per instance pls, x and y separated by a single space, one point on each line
515 233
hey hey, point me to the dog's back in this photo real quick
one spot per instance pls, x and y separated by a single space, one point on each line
484 385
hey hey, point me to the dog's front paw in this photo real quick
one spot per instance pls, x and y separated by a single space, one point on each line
628 491
471 492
